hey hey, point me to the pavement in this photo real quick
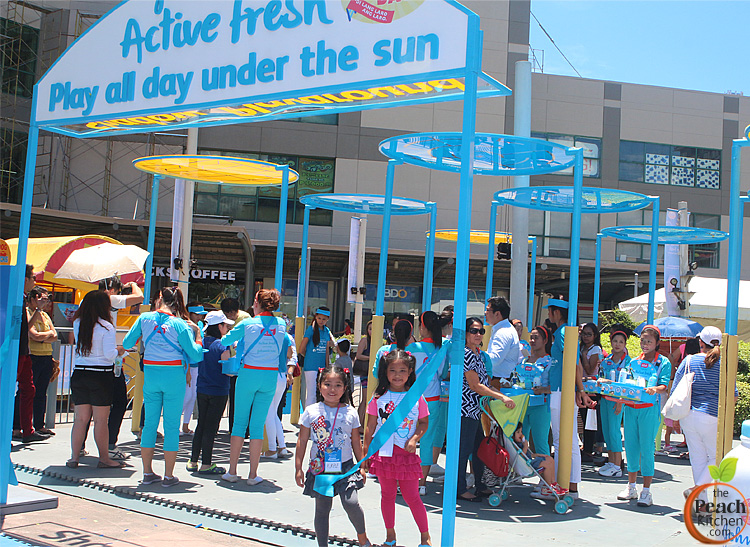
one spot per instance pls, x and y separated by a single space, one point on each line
275 512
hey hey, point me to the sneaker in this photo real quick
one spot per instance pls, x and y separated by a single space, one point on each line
661 452
229 477
629 493
687 492
645 499
118 455
573 495
559 490
545 493
610 470
422 490
439 480
269 455
436 470
669 449
285 454
257 480
150 478
171 481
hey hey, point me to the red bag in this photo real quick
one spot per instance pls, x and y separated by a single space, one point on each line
495 456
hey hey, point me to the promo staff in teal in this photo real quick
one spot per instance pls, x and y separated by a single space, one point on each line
642 424
169 348
315 348
261 344
431 334
533 371
611 412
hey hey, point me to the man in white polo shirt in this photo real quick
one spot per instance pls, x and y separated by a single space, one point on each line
503 346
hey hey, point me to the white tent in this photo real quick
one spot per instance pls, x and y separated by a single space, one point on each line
706 306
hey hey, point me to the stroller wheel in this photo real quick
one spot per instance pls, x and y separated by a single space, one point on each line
561 507
504 495
568 499
495 500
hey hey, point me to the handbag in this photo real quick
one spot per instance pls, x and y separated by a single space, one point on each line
494 455
677 406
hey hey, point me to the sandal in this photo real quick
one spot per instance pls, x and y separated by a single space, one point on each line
213 470
118 455
72 464
684 456
192 467
117 465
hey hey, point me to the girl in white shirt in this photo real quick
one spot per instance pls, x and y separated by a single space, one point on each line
334 424
92 381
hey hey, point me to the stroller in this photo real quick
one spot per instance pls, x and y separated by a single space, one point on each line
519 468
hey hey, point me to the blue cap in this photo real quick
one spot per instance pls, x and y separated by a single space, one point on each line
746 429
198 310
557 303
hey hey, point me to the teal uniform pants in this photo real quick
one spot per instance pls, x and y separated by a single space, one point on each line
426 442
611 425
163 392
439 421
536 426
253 395
641 425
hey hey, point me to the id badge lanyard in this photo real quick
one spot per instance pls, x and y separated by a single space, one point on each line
332 458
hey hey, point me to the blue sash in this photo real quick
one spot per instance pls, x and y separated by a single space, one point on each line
324 483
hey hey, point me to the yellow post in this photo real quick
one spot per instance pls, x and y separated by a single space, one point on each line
568 406
729 350
299 331
135 421
486 337
377 336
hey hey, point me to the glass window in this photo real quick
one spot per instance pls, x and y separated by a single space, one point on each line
552 231
705 256
591 151
654 163
18 46
626 251
316 175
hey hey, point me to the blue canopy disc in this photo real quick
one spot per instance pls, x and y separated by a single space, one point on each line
676 235
494 154
369 204
560 199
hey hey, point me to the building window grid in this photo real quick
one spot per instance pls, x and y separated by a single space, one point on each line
262 204
548 226
675 165
592 151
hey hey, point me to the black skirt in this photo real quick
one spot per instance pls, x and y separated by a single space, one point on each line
354 481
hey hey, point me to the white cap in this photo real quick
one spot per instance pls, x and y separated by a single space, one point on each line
711 336
217 317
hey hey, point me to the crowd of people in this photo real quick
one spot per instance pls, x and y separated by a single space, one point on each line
192 356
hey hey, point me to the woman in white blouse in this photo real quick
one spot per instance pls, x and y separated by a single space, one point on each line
92 381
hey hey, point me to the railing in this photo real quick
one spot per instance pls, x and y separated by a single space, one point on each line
59 401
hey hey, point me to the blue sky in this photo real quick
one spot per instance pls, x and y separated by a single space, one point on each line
701 45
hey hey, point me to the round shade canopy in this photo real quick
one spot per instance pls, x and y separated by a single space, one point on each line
369 204
677 235
480 237
560 199
216 169
493 154
673 327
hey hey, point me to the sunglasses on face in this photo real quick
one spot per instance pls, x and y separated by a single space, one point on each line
476 331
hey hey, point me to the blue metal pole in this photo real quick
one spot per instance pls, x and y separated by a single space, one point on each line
429 258
597 277
532 284
473 66
15 308
303 264
736 211
385 235
491 250
575 236
652 258
151 238
283 203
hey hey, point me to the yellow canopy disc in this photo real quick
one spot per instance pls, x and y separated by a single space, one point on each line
480 237
216 170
